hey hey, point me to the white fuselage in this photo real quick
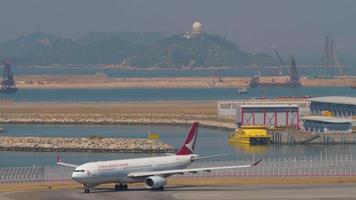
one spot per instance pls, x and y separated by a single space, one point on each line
116 171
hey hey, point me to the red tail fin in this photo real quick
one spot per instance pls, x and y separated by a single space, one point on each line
59 159
188 147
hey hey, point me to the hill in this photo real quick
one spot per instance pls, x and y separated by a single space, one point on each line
137 38
202 50
44 49
39 48
177 51
108 51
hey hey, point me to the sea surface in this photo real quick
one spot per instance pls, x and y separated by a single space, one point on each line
208 142
79 95
115 72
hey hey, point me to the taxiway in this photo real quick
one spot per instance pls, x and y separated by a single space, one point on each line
266 192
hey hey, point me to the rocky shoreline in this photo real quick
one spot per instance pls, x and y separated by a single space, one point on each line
92 144
116 119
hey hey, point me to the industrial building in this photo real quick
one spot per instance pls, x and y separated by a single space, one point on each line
337 105
270 115
324 124
227 108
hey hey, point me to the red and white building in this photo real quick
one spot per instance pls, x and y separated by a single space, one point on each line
272 115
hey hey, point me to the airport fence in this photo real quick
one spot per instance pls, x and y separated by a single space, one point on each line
35 174
331 165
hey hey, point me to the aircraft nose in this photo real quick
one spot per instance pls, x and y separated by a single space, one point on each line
77 176
74 176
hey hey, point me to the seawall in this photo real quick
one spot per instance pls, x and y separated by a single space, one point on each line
94 144
209 121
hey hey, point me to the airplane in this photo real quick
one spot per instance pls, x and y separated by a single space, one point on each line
152 171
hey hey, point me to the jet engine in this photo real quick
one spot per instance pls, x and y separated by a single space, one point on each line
155 182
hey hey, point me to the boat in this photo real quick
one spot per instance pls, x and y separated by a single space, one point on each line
8 90
250 149
254 83
252 135
242 90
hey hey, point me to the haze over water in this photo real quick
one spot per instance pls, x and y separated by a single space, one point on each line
298 27
229 72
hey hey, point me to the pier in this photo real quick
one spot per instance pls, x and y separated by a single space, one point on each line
300 137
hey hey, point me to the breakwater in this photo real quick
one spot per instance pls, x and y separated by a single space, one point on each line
209 121
91 144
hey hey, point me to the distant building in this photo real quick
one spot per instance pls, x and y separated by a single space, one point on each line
228 108
196 30
338 106
270 115
323 124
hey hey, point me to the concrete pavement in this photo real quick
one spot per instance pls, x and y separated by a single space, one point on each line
266 192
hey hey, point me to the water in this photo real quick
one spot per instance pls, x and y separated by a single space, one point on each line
54 95
209 142
112 72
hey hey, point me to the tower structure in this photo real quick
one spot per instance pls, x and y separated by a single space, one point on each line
330 60
293 75
8 82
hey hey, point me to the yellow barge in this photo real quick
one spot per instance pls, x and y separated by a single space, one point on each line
252 135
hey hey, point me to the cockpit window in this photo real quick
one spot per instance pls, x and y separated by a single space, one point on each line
79 170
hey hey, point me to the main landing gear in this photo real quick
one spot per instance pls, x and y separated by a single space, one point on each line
86 189
120 187
160 188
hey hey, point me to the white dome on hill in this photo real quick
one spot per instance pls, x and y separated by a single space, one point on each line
196 27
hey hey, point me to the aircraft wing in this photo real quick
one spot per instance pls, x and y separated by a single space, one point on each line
59 162
192 170
67 164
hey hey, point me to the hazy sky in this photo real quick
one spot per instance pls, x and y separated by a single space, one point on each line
298 26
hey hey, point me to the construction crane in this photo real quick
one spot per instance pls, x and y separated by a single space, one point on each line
292 72
330 60
335 60
280 59
293 75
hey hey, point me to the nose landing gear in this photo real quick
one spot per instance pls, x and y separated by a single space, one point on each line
86 189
